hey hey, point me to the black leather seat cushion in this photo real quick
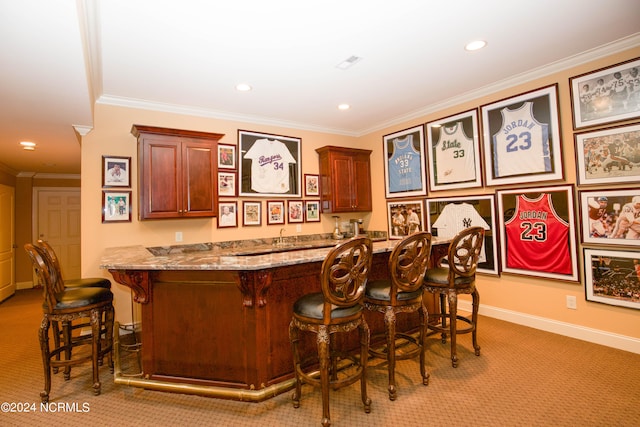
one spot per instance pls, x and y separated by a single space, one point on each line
381 290
94 282
440 277
80 297
311 306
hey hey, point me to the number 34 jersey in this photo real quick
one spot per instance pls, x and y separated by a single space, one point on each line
521 146
537 238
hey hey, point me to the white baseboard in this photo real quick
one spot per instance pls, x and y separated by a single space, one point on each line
621 342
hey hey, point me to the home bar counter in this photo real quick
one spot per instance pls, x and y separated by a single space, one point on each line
215 317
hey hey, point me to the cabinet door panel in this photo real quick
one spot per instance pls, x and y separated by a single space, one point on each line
342 180
162 193
199 178
362 180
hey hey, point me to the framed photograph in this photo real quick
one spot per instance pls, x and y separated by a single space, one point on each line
227 214
251 213
611 217
226 156
405 217
607 95
116 206
269 165
226 184
116 171
608 156
453 154
312 210
311 185
295 210
521 137
537 232
612 277
446 217
404 173
275 212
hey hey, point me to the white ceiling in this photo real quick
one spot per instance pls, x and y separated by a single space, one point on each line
59 57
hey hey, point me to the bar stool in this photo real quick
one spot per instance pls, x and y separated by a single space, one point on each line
99 282
402 293
63 306
458 276
338 308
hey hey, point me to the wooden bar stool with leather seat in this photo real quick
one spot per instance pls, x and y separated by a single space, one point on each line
99 282
402 293
458 276
63 305
338 308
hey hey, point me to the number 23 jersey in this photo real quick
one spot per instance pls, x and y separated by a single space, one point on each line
521 146
537 238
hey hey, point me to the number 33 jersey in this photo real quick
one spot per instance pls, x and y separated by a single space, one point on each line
537 238
521 146
270 161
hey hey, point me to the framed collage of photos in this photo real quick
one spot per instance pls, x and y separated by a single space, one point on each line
521 137
612 277
405 217
404 163
116 175
448 216
538 235
610 217
453 152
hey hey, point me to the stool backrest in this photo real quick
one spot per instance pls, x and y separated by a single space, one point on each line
464 251
47 275
49 252
345 272
409 261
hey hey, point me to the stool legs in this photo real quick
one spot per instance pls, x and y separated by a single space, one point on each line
43 335
390 334
474 319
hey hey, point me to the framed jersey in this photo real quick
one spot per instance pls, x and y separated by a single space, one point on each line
537 232
453 152
404 163
269 165
448 216
521 137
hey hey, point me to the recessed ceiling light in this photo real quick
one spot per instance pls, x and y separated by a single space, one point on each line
344 106
27 144
475 45
243 87
29 148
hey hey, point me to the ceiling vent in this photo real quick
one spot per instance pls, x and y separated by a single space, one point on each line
349 62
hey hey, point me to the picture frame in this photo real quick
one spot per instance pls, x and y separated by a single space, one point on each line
295 211
447 216
269 165
226 154
612 277
453 152
226 184
116 206
312 210
116 171
603 96
311 185
608 156
614 221
275 212
227 214
537 232
251 213
404 164
399 213
530 150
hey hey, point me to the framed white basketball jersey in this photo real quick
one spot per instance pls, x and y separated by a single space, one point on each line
454 155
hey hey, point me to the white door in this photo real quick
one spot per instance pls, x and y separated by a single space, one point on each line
59 224
7 242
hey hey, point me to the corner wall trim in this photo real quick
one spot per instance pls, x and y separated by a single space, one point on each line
596 336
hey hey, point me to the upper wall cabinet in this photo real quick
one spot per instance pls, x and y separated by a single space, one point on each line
176 172
345 179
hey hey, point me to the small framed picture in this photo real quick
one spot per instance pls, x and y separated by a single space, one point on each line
608 156
116 206
606 95
404 169
538 236
311 185
612 277
226 184
405 217
275 212
312 210
251 213
521 137
227 214
611 217
295 208
453 152
226 156
116 171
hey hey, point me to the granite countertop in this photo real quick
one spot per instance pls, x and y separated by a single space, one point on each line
238 255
